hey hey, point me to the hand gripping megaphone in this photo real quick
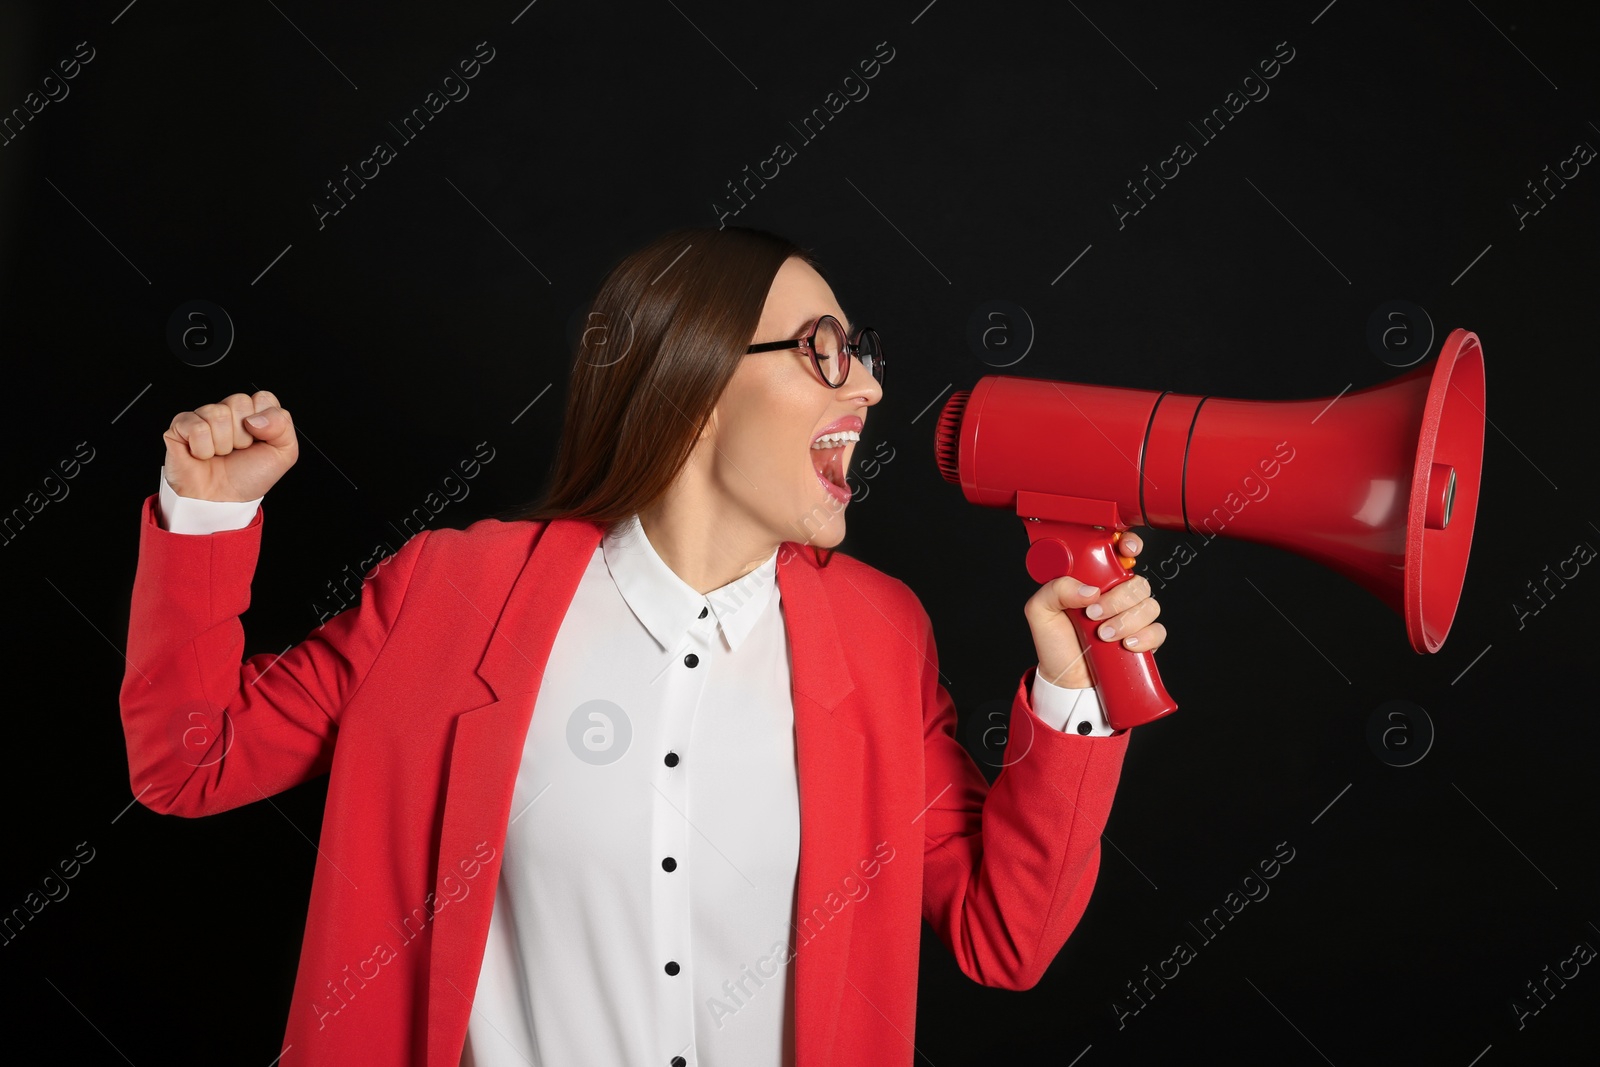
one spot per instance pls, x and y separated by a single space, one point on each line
1381 485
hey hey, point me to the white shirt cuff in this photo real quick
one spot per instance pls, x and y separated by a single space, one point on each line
1075 711
189 515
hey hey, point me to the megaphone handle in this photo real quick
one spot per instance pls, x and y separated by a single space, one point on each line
1127 682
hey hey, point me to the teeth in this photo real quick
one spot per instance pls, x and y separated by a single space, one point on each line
833 440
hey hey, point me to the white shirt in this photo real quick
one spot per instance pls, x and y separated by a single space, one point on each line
597 953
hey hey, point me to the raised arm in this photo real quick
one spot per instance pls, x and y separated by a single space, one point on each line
205 731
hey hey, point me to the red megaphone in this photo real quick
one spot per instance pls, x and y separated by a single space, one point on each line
1380 485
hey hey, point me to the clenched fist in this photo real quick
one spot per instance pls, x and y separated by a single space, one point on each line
235 449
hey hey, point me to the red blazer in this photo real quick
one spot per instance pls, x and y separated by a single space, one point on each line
416 703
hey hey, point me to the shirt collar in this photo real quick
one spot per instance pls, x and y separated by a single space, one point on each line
667 605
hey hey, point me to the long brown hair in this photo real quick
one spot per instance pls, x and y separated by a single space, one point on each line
662 339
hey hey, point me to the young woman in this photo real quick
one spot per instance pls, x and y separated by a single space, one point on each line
646 773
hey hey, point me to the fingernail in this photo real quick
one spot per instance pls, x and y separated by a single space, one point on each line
257 421
1094 611
1108 631
1087 590
1130 642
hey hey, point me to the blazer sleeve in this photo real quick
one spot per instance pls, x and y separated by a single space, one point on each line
1008 869
205 731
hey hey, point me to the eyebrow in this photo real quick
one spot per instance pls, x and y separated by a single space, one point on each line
849 326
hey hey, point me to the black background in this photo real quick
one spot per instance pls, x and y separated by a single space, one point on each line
430 313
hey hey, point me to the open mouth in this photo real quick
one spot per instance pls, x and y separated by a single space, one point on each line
828 458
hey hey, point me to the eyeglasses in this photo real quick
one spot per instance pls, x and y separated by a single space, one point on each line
831 350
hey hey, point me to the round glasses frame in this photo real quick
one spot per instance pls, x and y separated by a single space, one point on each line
852 350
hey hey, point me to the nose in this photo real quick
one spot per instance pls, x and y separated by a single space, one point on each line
860 386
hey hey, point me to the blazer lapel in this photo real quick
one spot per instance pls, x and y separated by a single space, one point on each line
485 754
487 747
830 753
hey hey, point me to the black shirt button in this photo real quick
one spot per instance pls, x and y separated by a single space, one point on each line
672 967
669 864
703 612
671 759
1084 727
690 660
679 1061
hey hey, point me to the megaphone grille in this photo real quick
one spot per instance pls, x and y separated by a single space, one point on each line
948 436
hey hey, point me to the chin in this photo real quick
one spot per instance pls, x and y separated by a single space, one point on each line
823 526
830 535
